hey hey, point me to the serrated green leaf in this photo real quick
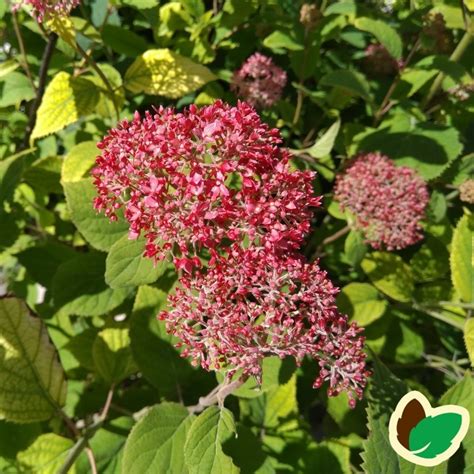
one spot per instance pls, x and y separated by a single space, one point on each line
384 393
431 261
203 449
384 33
461 394
96 228
79 161
362 303
126 265
6 67
157 441
65 100
32 382
469 339
390 274
79 287
15 437
46 455
462 258
111 353
163 72
433 434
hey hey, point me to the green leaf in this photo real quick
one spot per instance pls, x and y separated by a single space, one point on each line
349 81
282 40
461 394
462 258
325 144
10 174
42 261
431 261
280 402
163 72
108 447
354 248
203 450
96 228
433 434
32 383
469 339
384 33
79 287
15 437
44 174
390 274
169 373
126 265
157 441
15 89
141 4
362 303
79 161
124 41
65 100
6 67
46 455
427 148
111 353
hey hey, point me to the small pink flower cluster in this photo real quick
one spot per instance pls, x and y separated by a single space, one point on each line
44 9
259 81
379 62
388 202
255 304
201 177
214 183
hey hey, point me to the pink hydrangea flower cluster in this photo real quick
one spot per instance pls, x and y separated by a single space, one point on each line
387 201
259 81
44 9
214 185
195 179
255 304
379 62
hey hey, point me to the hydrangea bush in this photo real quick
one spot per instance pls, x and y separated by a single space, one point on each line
233 234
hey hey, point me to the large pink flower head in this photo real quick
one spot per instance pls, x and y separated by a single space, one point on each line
254 304
388 202
203 178
44 9
259 81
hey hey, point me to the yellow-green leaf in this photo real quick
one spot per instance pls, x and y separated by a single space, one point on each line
112 354
163 72
79 161
32 383
66 99
462 258
390 274
63 27
46 455
281 402
469 339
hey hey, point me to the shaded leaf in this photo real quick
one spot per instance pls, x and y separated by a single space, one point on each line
32 382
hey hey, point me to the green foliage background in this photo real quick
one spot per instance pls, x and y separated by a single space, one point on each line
86 371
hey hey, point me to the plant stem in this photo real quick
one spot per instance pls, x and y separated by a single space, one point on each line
102 76
43 72
455 57
91 458
21 45
385 105
216 395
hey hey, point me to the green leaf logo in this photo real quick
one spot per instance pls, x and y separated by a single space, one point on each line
424 435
